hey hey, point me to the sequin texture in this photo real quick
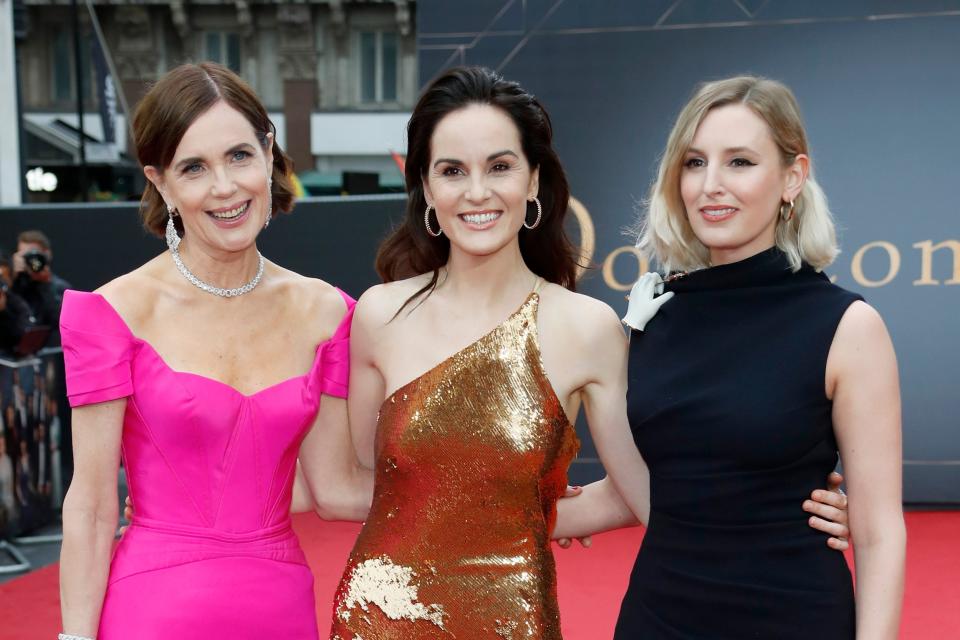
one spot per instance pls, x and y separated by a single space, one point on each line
471 459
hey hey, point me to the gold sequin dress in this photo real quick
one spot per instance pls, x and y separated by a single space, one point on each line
471 458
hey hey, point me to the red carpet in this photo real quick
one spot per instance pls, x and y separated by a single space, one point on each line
591 581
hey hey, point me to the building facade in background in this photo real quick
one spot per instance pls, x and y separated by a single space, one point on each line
338 77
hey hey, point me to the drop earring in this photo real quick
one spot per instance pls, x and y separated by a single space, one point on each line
172 237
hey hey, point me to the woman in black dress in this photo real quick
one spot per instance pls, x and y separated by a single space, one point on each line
744 387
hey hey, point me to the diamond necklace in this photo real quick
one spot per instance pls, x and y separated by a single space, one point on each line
218 291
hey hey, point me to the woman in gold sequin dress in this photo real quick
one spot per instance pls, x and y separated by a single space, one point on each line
470 450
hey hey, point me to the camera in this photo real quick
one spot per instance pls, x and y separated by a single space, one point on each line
35 260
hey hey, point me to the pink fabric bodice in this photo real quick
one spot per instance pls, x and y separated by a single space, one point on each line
209 469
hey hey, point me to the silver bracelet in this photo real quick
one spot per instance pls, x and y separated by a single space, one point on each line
67 636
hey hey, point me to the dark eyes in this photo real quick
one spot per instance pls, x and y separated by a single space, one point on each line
455 170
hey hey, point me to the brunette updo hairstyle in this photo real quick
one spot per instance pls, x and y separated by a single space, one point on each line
172 105
546 250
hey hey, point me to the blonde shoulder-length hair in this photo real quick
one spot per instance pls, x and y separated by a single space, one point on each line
665 234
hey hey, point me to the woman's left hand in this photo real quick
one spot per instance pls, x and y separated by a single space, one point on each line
829 509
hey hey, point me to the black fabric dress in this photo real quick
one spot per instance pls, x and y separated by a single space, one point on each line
727 405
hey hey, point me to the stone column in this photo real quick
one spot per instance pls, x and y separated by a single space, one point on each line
135 53
298 68
9 118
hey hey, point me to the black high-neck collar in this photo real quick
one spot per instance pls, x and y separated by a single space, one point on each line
765 268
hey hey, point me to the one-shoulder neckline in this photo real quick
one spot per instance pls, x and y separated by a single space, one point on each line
533 296
221 383
464 349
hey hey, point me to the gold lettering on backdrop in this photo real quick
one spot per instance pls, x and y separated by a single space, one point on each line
856 265
588 237
927 250
926 261
610 278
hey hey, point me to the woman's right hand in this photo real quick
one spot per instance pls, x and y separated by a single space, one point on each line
127 514
585 541
644 302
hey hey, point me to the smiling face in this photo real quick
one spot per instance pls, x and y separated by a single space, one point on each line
478 179
733 182
218 180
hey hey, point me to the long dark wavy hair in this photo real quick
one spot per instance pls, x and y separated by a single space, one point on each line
408 251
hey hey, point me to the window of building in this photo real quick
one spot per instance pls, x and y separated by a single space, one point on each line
63 77
379 66
224 48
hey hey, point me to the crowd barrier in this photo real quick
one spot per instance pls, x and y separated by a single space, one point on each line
35 463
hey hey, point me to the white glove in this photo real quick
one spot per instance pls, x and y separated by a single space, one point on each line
643 305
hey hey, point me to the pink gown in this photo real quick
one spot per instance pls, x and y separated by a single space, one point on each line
210 552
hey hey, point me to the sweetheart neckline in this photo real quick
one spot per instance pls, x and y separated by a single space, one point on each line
221 383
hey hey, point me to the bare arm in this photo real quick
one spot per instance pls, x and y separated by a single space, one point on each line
336 483
623 498
340 486
303 499
597 508
367 387
862 371
90 515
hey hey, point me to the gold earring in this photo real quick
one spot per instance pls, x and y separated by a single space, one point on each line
787 215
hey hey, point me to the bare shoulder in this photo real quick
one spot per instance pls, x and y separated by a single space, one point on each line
860 326
380 303
861 346
134 294
579 317
310 298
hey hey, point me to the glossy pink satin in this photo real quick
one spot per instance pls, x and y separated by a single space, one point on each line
210 553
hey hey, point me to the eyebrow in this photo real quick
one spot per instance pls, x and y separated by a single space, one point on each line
492 156
730 150
243 146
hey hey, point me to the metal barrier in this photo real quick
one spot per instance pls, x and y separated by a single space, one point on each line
33 436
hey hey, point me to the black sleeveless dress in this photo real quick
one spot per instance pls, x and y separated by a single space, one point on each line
727 405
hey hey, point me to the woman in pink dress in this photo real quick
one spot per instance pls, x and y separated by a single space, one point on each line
208 369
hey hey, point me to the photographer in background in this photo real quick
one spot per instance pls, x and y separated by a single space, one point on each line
15 314
34 281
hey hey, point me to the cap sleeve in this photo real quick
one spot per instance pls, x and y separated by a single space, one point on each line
333 360
97 350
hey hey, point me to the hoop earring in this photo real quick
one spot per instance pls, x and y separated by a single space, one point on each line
536 222
270 205
171 235
787 215
426 222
